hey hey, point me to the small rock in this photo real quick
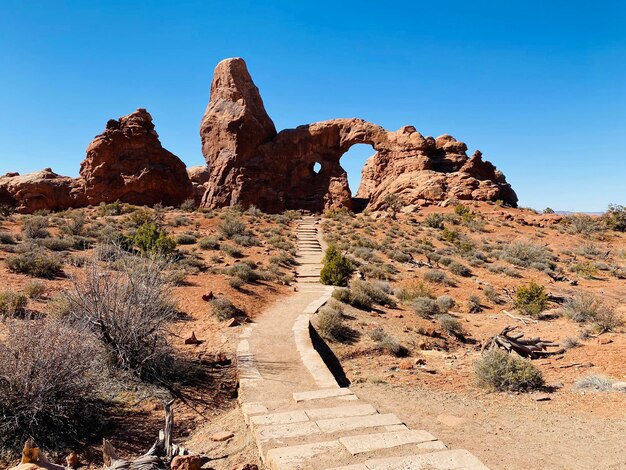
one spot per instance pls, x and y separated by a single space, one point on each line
541 397
396 315
406 364
604 340
208 296
246 466
232 322
186 462
72 460
222 436
192 339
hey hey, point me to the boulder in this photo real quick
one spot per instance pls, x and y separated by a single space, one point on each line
186 462
128 163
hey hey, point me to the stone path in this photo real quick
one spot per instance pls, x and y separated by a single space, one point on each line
298 415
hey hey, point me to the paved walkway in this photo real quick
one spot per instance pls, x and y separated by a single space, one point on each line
299 416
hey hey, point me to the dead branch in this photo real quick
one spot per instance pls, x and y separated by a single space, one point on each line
532 348
156 458
524 320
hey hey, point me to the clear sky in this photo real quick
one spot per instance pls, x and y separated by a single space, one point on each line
538 86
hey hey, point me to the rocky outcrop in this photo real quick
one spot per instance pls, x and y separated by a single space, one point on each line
252 165
41 190
127 163
199 177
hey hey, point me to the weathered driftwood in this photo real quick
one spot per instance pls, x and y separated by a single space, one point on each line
558 277
532 348
158 456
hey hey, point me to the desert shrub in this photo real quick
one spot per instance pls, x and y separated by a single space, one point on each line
606 320
616 217
235 283
223 309
186 239
531 299
129 310
459 269
283 257
209 243
6 238
114 208
12 304
232 225
35 227
594 383
570 343
337 269
243 272
337 213
492 295
188 205
461 210
434 221
378 292
445 303
377 334
450 325
391 345
425 307
501 371
34 289
449 235
473 304
438 277
411 289
180 221
48 385
526 255
585 269
548 210
35 263
582 224
74 224
57 244
232 250
150 239
583 307
245 240
331 324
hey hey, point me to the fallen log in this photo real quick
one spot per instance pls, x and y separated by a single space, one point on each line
533 348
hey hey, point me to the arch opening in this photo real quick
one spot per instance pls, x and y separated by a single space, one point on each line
317 167
353 162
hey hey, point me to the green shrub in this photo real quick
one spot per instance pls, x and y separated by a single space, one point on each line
74 224
337 269
450 236
526 255
531 299
450 325
34 289
35 227
186 239
223 309
331 324
244 272
492 295
434 221
582 224
410 290
188 205
232 225
425 307
35 263
150 239
501 371
57 244
459 269
616 217
12 304
209 243
232 251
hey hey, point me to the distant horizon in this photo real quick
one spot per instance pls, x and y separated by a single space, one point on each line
540 90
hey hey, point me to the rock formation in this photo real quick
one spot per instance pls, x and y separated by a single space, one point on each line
252 165
126 162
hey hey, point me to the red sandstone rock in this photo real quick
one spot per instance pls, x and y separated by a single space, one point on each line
186 462
41 190
252 165
127 163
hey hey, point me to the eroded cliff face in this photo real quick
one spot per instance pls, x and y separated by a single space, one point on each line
252 165
126 163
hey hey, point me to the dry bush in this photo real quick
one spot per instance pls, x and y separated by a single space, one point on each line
12 304
331 324
586 307
35 226
35 262
48 385
594 383
128 309
411 289
501 371
526 255
223 308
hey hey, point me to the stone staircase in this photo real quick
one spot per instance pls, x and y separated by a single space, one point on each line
298 415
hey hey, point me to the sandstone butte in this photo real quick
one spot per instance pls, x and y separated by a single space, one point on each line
249 163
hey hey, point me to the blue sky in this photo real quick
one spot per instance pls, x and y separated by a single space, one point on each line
539 87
